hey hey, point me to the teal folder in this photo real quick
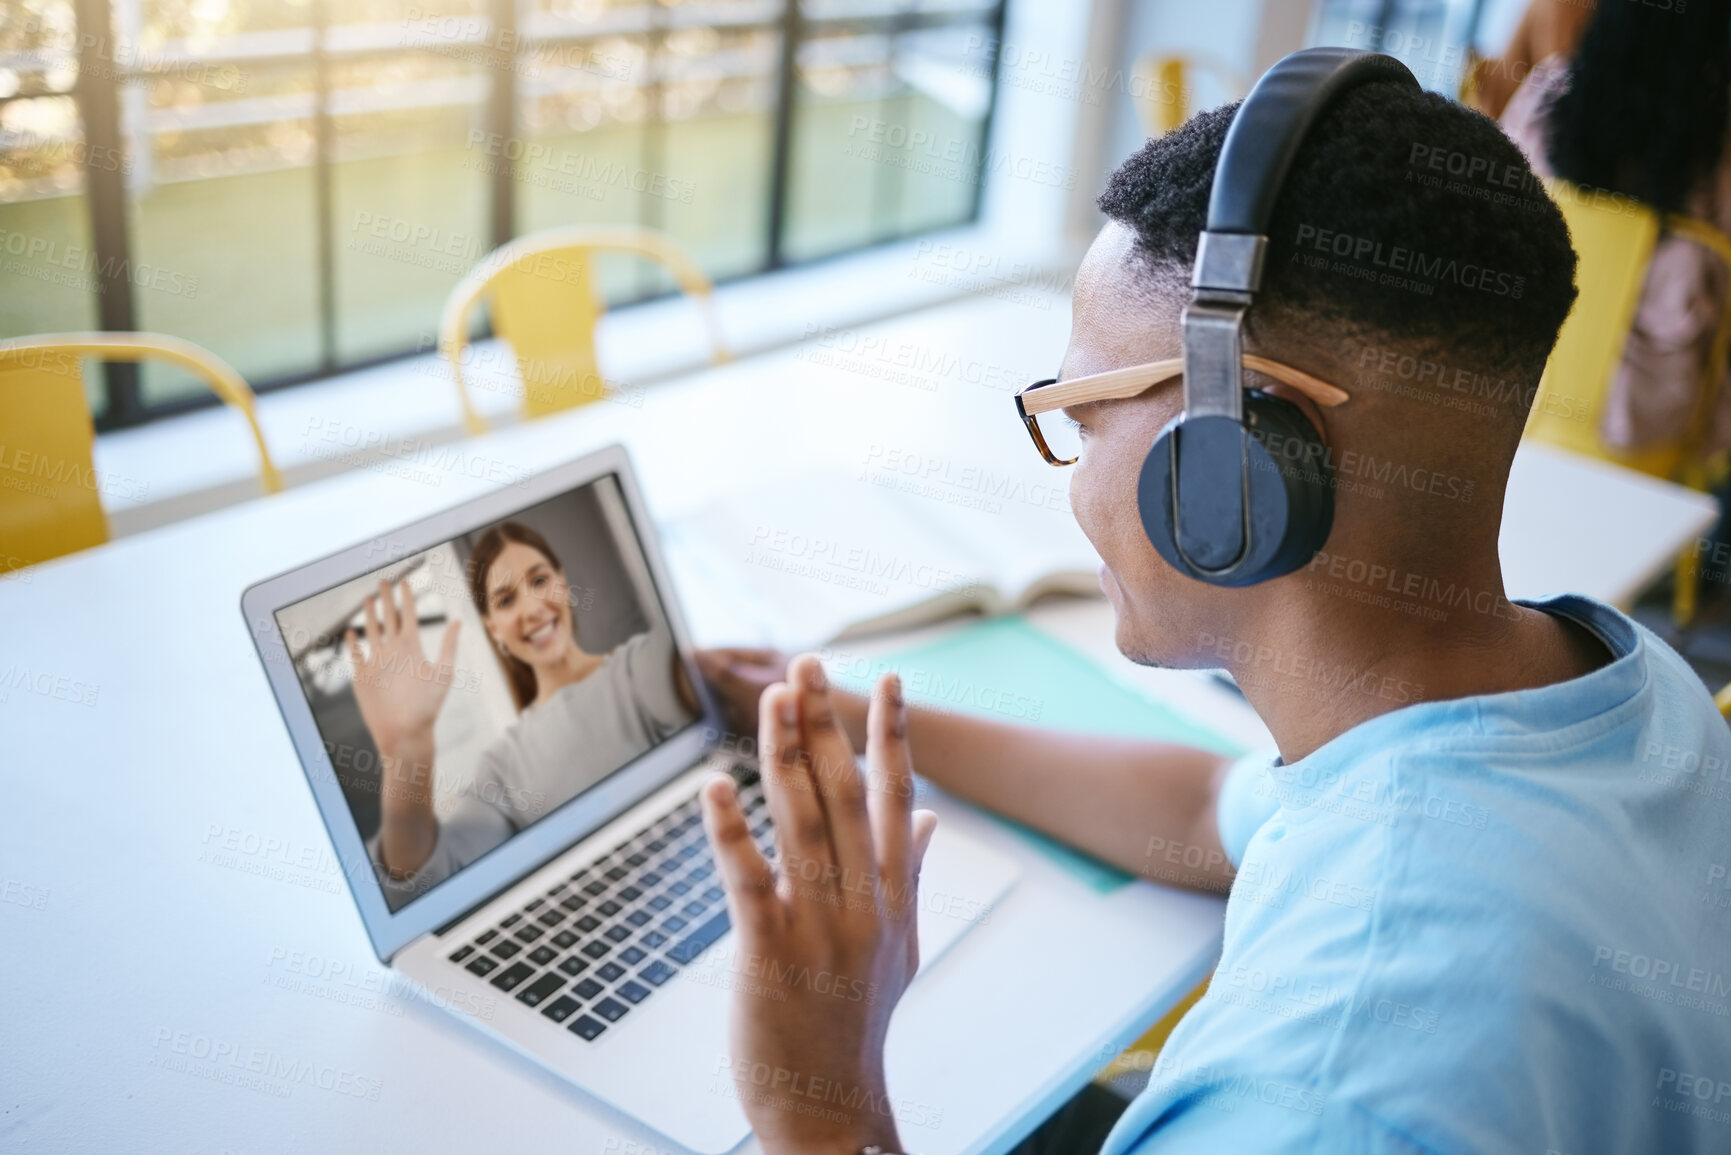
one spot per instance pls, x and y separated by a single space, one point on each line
1005 668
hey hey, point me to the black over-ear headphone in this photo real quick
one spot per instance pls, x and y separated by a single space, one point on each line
1214 500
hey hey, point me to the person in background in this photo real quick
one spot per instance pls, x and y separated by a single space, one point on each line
1548 28
1640 107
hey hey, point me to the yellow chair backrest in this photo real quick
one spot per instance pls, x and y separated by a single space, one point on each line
542 297
1161 87
1614 237
50 494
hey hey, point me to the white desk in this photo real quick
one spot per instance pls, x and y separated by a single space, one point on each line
183 874
162 867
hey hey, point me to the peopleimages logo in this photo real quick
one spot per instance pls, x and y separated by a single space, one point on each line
1368 253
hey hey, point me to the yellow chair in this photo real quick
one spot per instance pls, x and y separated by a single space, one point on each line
1142 1054
1614 237
50 494
541 294
1161 87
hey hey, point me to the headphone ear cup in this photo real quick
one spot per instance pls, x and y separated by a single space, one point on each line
1289 485
1290 469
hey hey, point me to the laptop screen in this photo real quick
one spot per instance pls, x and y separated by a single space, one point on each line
467 691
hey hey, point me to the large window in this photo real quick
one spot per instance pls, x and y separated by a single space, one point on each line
298 184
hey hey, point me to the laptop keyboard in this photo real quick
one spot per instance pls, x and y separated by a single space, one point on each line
595 946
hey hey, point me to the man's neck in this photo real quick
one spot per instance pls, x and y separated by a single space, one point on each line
1329 664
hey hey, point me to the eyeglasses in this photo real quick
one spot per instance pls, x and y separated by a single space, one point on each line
1114 384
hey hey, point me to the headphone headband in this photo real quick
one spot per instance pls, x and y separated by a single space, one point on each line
1272 123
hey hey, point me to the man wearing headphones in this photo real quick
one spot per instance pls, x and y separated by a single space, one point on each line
1476 892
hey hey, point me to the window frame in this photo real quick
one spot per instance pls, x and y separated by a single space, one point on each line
97 88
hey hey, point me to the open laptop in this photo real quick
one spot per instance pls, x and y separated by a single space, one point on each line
557 889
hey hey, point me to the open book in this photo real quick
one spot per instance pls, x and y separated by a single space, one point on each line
831 554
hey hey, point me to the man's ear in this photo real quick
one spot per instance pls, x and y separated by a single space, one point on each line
1313 412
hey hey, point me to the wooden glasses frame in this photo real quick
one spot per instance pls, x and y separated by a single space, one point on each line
1116 384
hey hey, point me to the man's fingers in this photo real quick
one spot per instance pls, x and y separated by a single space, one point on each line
745 873
835 773
925 824
892 783
800 830
354 647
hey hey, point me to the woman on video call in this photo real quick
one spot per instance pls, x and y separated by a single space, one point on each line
581 715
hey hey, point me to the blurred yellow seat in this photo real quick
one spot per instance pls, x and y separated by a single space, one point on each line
1614 237
1145 1051
1161 87
50 495
542 297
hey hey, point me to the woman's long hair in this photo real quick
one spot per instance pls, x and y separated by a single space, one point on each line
518 673
1647 101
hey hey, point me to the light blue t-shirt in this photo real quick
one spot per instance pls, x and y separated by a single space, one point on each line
1493 924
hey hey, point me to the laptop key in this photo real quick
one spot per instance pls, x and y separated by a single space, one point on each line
565 938
653 939
541 989
510 920
632 955
673 924
512 976
609 908
713 893
534 905
596 948
530 932
586 1028
617 933
699 940
649 878
486 937
482 965
542 955
694 908
560 1008
588 988
462 953
656 973
629 894
659 902
551 917
610 971
599 886
573 902
574 965
507 948
680 888
588 923
611 1009
637 859
633 991
637 917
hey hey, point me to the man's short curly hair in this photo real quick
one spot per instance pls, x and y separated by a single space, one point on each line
1405 219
